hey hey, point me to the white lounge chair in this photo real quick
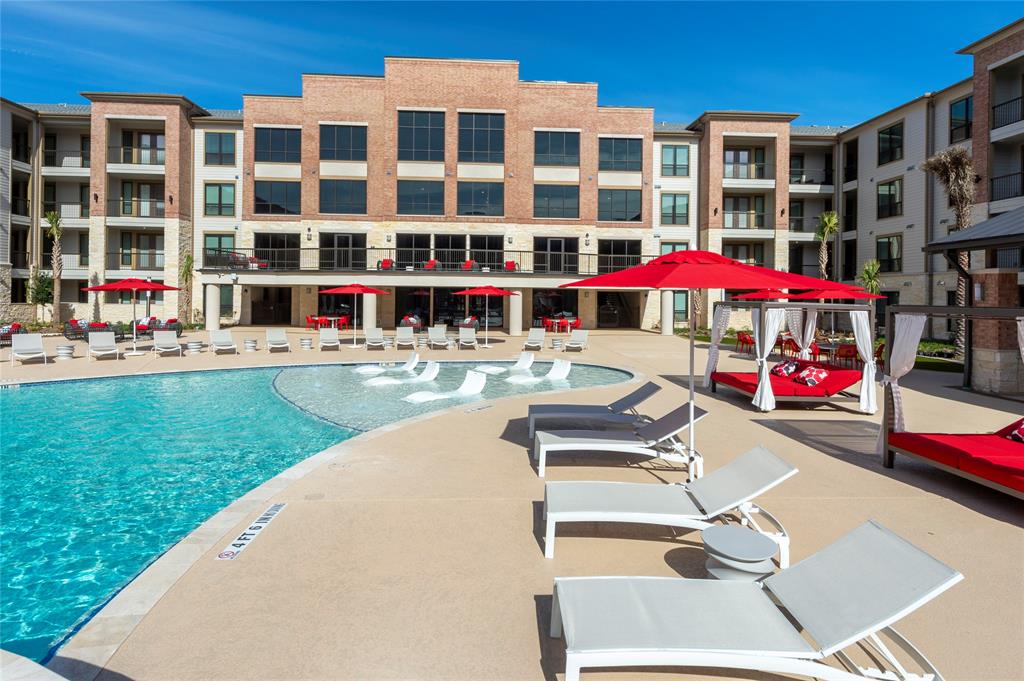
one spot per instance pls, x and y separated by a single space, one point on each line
27 346
577 340
374 369
534 339
166 341
429 373
467 337
404 336
524 363
559 371
329 338
276 338
102 344
848 594
620 412
473 384
659 439
436 338
375 339
695 505
221 341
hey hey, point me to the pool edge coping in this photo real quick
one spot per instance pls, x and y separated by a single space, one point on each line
116 619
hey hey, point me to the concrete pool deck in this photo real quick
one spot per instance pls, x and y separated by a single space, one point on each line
415 552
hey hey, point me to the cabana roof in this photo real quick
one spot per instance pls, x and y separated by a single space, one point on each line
1006 229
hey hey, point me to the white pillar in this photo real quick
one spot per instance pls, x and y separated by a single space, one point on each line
667 313
212 311
515 313
369 311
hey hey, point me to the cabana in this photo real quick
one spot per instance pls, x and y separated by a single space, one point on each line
996 459
766 388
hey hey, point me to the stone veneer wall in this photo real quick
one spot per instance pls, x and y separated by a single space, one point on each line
997 366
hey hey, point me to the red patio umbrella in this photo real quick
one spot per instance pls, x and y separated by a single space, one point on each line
354 289
764 294
835 294
486 292
134 285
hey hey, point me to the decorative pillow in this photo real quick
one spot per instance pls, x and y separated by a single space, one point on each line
1018 434
785 368
811 376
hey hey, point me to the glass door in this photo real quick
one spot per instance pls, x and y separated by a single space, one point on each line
151 148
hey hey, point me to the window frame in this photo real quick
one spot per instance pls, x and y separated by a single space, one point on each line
473 155
568 159
674 166
673 214
627 196
968 120
885 265
354 151
901 124
256 202
220 134
288 152
616 146
432 154
220 202
898 181
562 200
349 183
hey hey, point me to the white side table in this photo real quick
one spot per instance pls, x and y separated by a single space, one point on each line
194 347
250 344
306 343
738 553
65 352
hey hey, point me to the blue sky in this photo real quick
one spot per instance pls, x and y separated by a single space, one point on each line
835 63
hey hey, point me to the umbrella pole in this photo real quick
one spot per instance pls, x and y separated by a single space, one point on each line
693 332
355 317
487 301
135 328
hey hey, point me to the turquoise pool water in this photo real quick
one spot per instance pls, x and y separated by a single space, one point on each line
99 477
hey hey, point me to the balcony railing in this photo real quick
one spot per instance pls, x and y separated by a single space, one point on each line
416 260
747 171
1006 187
71 261
146 156
19 259
19 206
67 211
136 260
1006 113
1010 258
804 224
135 208
72 158
810 176
744 221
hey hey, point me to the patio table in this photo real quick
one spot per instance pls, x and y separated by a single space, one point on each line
737 553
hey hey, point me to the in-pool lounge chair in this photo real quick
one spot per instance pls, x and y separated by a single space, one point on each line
577 340
103 344
467 337
27 346
695 505
524 363
473 384
534 339
404 337
429 373
620 412
329 338
374 369
659 438
436 338
849 593
276 339
166 341
221 341
375 339
559 371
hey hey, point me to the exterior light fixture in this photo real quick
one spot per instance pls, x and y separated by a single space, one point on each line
509 239
388 238
309 235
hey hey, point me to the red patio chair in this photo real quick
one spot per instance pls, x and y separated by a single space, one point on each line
548 323
510 265
469 265
846 354
790 348
386 264
744 342
311 322
880 355
430 264
322 322
577 323
343 322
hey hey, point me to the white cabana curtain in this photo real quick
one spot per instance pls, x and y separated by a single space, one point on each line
764 398
866 348
1020 336
802 327
719 326
906 336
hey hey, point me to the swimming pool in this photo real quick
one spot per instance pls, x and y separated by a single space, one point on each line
99 477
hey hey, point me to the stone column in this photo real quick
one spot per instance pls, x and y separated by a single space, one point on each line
212 308
515 313
369 311
667 313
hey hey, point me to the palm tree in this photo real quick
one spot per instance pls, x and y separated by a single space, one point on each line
869 276
828 226
954 168
185 280
56 261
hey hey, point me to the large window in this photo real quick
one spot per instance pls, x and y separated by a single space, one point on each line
420 197
752 254
620 153
890 144
675 209
744 212
889 252
556 201
278 145
849 259
850 161
342 142
617 254
220 199
850 210
277 198
745 164
343 196
890 198
482 137
219 148
961 115
619 205
675 160
556 148
481 198
420 136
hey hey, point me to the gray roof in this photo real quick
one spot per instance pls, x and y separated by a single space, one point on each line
816 130
1004 229
663 126
66 109
226 113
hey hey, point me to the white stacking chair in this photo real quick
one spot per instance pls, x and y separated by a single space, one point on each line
577 340
436 337
276 339
221 340
166 341
534 339
102 344
467 337
329 338
405 336
27 346
375 339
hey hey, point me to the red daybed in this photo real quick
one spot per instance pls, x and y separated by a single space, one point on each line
992 459
786 388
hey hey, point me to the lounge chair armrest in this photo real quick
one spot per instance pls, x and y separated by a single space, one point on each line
779 535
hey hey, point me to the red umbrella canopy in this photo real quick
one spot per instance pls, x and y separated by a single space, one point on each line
764 294
132 284
696 270
486 291
835 294
354 288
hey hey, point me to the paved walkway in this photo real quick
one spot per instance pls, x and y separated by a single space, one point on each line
416 553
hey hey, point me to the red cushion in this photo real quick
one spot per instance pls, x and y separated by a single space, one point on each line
172 320
97 325
946 449
143 327
1016 425
15 325
73 321
986 455
1003 470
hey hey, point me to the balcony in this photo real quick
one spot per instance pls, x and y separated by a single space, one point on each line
136 261
19 260
849 173
19 206
810 177
1006 113
71 261
747 171
66 163
69 212
803 228
735 220
1006 187
139 156
135 208
1009 258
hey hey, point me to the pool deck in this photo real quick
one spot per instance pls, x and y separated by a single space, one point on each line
415 552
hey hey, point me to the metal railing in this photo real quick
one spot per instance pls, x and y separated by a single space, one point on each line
135 208
747 171
66 210
416 260
744 221
70 158
1006 113
1010 258
19 206
810 176
147 156
803 224
72 261
136 259
19 259
1006 186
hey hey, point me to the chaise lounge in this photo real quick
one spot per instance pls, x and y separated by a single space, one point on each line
620 412
786 389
